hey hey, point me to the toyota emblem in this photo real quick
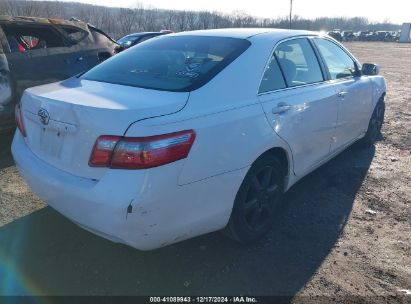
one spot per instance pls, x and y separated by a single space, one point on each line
44 116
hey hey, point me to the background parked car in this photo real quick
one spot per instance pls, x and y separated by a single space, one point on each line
133 39
360 36
36 51
347 36
336 35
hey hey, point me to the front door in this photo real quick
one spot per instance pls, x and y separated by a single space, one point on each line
354 93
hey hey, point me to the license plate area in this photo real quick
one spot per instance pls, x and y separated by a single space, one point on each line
51 142
48 140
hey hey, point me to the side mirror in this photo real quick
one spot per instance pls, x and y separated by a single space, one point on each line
370 69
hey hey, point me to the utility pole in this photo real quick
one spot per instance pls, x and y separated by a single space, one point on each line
291 12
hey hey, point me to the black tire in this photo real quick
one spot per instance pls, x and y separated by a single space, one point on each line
257 200
374 127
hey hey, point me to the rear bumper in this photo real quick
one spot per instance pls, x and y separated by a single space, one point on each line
163 212
79 199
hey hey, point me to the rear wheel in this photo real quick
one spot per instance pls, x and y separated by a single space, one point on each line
257 200
375 124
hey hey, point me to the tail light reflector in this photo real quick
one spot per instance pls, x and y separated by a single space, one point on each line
141 152
19 119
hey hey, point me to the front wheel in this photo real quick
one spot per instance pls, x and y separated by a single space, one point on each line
257 200
375 124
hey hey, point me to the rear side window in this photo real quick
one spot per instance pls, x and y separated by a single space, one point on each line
298 62
170 63
28 37
272 78
339 64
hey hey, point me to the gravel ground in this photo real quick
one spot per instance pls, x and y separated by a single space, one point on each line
343 236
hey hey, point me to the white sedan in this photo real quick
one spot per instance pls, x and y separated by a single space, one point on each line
194 132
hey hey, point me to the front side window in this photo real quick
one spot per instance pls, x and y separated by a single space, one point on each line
298 62
339 63
170 63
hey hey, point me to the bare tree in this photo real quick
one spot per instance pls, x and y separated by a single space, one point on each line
181 20
127 19
120 21
139 11
191 20
149 20
204 20
168 20
3 8
24 8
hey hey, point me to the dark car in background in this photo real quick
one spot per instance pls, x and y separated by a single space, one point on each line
336 34
386 36
35 51
348 36
134 39
360 36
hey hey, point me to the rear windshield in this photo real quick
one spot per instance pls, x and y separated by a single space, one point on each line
170 63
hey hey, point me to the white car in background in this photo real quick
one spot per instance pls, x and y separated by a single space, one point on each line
194 132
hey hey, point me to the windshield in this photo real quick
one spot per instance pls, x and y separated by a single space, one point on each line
170 63
127 39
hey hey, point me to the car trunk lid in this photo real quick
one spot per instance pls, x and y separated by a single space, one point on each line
63 120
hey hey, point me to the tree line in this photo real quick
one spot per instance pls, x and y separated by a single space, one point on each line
118 22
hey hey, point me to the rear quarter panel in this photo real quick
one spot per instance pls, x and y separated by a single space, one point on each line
225 141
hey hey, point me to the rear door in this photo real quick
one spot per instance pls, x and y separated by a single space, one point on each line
300 106
53 56
39 55
354 93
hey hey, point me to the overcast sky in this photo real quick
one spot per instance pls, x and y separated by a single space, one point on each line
398 11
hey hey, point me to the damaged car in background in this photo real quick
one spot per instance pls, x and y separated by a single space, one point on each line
35 51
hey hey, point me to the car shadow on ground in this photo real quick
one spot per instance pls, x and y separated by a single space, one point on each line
6 160
43 253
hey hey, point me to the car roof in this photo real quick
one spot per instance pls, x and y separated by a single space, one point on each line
38 20
141 34
245 33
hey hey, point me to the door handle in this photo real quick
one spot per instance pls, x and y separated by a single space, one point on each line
342 94
281 108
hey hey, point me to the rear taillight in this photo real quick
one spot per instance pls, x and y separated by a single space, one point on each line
19 119
103 150
141 152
